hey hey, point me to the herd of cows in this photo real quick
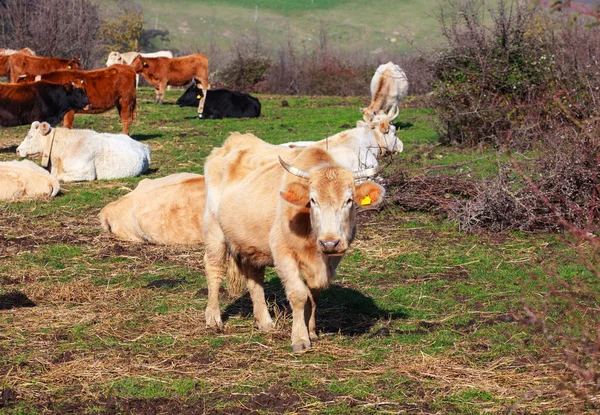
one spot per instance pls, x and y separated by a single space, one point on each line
309 191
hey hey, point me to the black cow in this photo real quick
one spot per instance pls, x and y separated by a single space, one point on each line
221 103
24 103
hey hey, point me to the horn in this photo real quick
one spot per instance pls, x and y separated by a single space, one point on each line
294 170
395 113
361 174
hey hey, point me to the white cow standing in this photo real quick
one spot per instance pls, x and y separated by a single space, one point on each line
389 86
126 58
77 155
26 180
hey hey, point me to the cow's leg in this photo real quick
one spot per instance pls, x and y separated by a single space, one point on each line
160 92
298 296
68 119
125 113
215 257
312 325
205 87
256 281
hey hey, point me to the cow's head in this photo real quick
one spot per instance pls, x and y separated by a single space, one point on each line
330 194
77 98
74 63
384 131
35 140
114 58
139 64
191 97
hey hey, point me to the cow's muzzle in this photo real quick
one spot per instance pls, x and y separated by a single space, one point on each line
332 246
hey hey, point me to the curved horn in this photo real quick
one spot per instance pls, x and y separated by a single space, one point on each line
294 170
361 174
395 113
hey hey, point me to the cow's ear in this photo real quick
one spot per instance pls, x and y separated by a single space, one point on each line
296 193
368 194
35 124
68 86
45 128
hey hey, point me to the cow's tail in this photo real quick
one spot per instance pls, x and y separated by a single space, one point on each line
134 110
235 277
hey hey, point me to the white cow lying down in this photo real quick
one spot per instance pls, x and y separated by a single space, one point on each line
160 211
25 180
360 147
76 155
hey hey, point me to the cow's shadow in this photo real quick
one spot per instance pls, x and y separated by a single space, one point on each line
403 125
9 149
339 310
144 137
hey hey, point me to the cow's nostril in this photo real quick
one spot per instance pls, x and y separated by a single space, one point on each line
329 245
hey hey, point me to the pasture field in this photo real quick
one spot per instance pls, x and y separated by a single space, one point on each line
421 319
351 25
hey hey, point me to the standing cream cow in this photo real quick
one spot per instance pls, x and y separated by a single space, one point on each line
388 87
76 155
26 180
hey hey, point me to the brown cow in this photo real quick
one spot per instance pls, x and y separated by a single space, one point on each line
161 72
22 64
106 88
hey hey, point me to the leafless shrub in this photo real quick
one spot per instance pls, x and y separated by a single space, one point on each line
59 28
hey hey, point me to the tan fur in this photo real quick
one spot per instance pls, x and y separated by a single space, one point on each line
25 180
247 215
160 211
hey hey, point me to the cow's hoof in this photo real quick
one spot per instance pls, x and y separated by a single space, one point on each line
313 336
266 326
305 345
214 321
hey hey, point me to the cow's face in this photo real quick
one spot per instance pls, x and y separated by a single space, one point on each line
191 96
114 58
77 98
35 140
332 197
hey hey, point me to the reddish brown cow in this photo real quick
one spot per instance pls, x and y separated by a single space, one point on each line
22 64
161 72
106 88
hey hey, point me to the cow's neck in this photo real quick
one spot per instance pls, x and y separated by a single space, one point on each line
48 149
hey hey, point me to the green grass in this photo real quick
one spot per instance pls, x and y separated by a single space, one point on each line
420 319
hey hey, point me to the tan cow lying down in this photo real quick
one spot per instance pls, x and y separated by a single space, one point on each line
160 211
301 222
76 155
25 180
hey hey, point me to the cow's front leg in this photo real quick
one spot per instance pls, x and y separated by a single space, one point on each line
298 296
312 325
256 280
68 119
160 93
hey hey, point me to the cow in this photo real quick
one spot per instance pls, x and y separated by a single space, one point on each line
388 87
125 58
298 217
360 147
106 88
221 103
161 72
26 180
76 155
164 211
9 52
24 103
22 64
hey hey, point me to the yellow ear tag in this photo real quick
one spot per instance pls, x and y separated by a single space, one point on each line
366 201
69 67
198 97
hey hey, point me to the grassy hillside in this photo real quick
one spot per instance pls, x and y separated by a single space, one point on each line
351 25
421 318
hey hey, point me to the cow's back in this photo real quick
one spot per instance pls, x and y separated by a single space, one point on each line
167 211
25 180
119 156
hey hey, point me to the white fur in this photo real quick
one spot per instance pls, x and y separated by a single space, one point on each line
24 180
357 149
85 154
